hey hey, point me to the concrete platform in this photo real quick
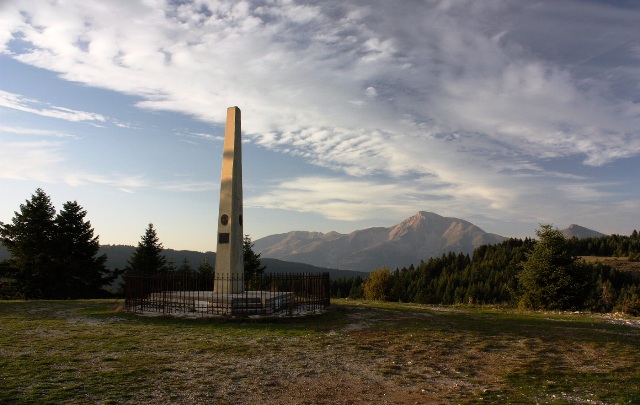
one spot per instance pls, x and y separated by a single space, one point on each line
209 302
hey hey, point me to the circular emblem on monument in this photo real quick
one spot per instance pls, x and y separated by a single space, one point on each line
224 219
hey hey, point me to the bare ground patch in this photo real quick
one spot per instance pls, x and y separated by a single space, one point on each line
355 353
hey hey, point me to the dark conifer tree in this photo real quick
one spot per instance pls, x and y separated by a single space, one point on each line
81 273
29 238
205 268
253 268
185 267
148 257
205 272
552 277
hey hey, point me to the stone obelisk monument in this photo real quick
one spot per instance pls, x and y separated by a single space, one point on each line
229 254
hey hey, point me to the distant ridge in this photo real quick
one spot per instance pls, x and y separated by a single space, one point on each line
117 256
417 238
577 231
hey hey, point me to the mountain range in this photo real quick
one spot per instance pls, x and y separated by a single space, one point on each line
417 238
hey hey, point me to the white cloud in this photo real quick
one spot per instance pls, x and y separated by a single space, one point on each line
44 162
206 137
333 198
48 162
30 160
120 181
371 91
188 186
468 99
35 131
17 102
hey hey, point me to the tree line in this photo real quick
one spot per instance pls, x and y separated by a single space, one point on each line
55 255
610 245
148 259
538 274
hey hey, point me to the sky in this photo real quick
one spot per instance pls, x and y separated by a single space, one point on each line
505 113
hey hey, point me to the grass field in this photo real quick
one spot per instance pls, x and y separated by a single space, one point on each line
618 263
92 352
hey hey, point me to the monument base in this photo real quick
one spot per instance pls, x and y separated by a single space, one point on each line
209 302
190 295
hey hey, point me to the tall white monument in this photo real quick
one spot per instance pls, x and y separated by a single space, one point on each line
229 254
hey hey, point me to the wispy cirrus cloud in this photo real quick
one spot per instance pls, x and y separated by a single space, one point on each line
301 67
124 182
47 161
41 155
18 102
206 137
483 103
35 131
187 186
30 160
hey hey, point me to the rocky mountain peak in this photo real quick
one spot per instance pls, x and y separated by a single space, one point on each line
418 237
577 231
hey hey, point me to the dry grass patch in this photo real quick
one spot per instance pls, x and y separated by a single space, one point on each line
356 352
619 263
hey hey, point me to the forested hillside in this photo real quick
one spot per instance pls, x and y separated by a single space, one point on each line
491 276
610 245
117 256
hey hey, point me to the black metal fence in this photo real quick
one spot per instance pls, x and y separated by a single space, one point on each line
189 294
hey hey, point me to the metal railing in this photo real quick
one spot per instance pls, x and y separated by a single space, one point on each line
194 295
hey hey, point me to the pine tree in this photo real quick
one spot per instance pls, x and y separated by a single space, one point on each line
81 272
185 267
552 277
253 268
205 268
54 256
148 257
29 238
205 272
